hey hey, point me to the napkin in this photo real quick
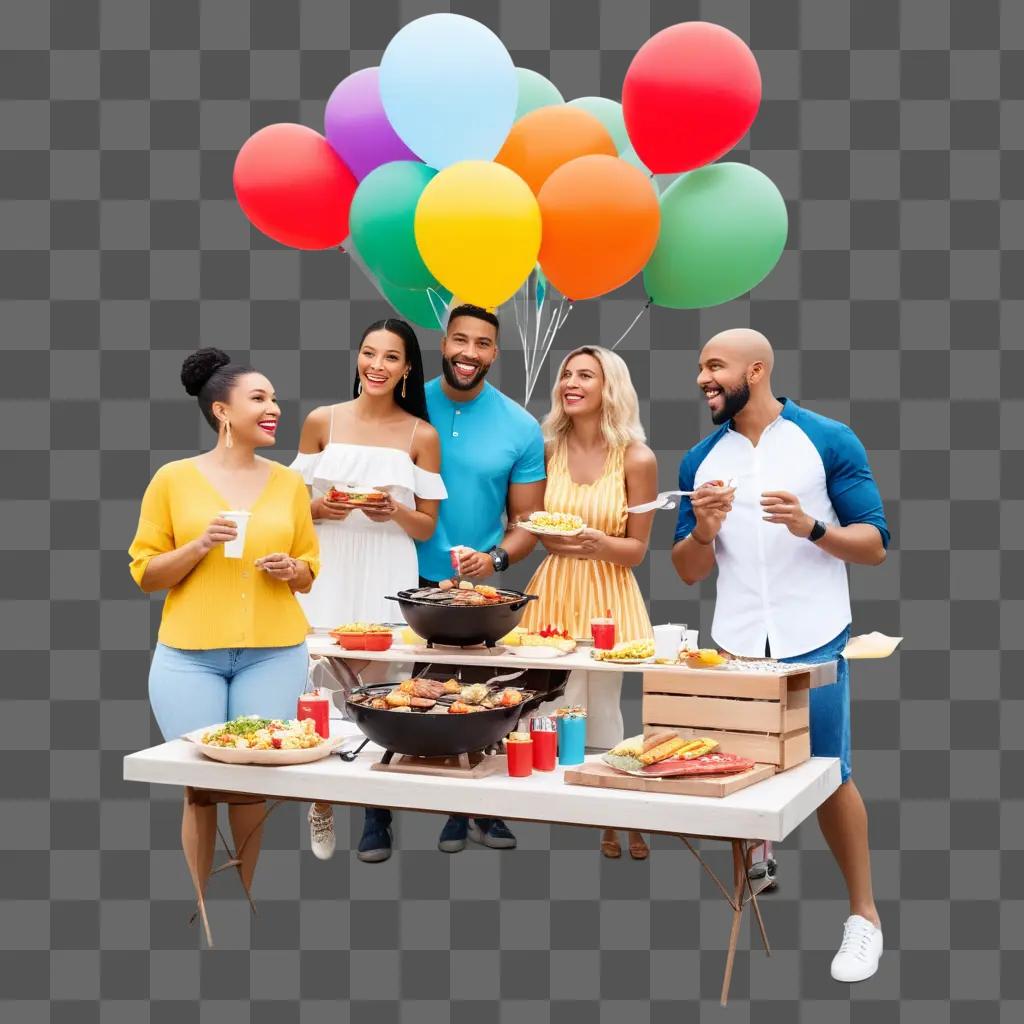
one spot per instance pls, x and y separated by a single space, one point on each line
871 645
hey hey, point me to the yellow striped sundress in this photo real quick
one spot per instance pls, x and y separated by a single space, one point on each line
572 591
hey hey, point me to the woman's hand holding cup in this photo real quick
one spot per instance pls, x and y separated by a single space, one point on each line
220 531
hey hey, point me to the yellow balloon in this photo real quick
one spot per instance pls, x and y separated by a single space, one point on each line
478 230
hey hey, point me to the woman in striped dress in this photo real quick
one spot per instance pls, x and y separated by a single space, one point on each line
597 466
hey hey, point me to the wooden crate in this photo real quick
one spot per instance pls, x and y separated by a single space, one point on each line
752 714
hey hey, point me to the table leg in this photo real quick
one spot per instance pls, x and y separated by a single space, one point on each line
738 878
198 835
753 898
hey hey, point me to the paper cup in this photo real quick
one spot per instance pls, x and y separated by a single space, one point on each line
667 641
234 548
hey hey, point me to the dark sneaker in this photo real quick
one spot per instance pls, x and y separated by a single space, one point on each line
375 844
762 875
453 835
492 832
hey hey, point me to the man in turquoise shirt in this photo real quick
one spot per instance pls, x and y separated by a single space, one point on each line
492 464
492 456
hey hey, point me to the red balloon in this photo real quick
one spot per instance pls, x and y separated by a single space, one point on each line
292 185
690 94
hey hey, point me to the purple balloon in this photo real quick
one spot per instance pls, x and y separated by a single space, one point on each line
357 127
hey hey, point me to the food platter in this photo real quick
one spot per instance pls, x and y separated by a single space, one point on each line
234 755
709 764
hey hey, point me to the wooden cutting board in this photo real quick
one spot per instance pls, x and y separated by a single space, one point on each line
603 775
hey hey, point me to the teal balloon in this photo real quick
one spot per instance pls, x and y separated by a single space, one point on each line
629 155
535 91
382 218
723 229
609 113
414 303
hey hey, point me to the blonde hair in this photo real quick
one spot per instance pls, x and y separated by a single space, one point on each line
620 407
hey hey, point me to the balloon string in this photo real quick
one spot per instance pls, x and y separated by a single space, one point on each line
554 327
531 380
636 320
556 323
440 304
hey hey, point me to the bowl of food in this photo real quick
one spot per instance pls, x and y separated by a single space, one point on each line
379 639
462 614
363 636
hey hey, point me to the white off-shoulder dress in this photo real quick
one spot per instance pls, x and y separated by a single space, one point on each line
362 561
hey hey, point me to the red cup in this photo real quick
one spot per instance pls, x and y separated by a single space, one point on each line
316 705
545 748
520 758
603 632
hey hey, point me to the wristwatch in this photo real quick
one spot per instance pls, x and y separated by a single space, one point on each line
499 556
817 531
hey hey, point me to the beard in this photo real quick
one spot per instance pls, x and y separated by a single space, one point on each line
733 402
457 382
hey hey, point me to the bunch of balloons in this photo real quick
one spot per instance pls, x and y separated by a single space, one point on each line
448 170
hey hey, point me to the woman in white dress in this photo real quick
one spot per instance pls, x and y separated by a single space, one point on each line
383 440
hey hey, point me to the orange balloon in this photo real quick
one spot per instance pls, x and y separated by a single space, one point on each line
545 139
601 220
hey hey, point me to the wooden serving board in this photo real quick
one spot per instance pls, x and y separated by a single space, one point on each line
602 775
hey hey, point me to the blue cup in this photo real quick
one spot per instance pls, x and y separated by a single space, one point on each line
572 736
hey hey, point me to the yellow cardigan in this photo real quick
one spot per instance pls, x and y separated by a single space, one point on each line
226 602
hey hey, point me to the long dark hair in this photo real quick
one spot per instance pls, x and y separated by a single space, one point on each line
209 376
415 401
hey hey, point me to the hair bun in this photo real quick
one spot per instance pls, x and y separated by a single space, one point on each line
199 367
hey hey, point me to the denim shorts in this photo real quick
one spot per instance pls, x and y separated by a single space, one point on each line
830 705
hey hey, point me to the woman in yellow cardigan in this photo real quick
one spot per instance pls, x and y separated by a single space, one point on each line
232 636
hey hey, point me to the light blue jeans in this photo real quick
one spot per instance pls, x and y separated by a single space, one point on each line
192 689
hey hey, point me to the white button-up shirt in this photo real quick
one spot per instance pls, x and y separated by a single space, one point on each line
774 587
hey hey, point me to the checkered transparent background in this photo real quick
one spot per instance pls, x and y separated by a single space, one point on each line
894 129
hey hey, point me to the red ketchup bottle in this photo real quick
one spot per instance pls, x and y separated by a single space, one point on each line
316 704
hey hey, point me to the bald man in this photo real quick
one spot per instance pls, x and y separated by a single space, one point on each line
785 498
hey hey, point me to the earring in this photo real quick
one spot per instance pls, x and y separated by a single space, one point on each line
228 440
359 386
405 377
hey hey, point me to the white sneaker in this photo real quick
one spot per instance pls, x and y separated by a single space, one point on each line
321 833
860 951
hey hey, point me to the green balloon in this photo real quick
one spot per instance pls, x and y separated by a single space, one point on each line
414 303
723 229
381 222
535 91
609 113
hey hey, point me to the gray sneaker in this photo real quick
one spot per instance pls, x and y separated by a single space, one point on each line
762 875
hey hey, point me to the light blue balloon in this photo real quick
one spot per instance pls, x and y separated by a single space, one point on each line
449 89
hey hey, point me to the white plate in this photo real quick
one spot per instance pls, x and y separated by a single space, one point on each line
232 755
624 661
541 653
546 531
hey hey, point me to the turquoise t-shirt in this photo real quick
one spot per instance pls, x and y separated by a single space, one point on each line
486 445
